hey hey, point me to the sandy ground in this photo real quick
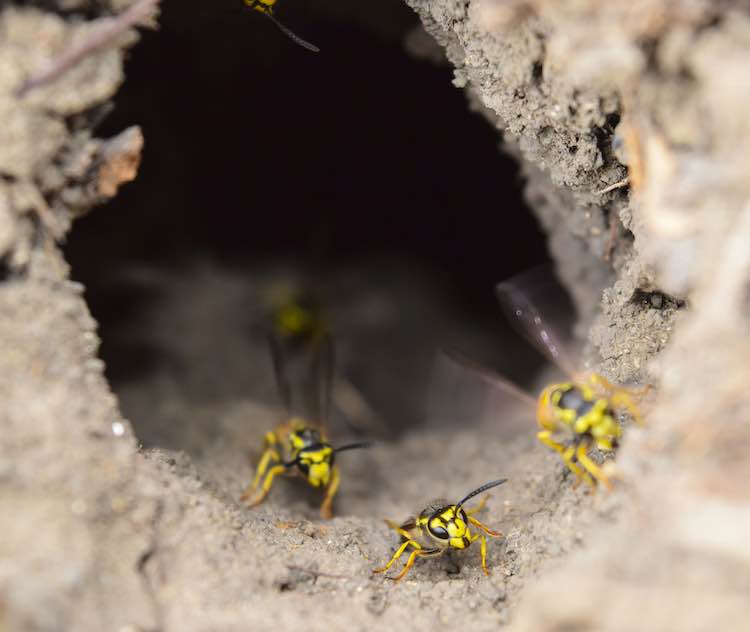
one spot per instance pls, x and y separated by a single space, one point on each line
103 534
185 554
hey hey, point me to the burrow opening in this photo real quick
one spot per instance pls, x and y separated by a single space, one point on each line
359 171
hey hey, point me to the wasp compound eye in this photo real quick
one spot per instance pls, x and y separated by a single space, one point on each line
438 530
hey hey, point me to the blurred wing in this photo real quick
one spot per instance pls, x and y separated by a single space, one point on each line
523 298
491 377
323 362
465 393
358 415
280 374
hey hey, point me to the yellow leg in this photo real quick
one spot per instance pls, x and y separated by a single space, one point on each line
408 565
270 453
619 396
485 528
399 552
565 453
483 551
593 468
478 508
325 509
397 528
272 473
621 399
580 472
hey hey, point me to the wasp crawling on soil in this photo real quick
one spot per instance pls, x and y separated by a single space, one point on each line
299 446
439 527
574 415
266 7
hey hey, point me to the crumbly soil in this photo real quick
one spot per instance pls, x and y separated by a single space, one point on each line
121 513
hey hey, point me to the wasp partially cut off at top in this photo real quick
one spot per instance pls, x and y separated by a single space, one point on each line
439 527
266 7
299 446
574 415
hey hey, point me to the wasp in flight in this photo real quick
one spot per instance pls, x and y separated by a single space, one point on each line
266 7
439 527
576 414
299 446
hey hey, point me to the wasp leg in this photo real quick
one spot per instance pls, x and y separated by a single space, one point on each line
270 453
565 453
399 552
591 467
580 472
483 548
399 529
325 509
621 397
410 562
478 508
272 473
485 528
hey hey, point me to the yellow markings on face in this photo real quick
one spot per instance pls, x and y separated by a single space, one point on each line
448 528
316 464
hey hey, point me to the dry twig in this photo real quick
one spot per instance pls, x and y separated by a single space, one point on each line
106 31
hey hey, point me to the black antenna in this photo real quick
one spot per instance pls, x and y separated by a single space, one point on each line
481 489
291 35
354 446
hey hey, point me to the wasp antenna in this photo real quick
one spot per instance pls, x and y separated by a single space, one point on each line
481 489
293 36
354 446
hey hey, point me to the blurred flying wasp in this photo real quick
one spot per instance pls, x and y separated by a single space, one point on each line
298 317
299 446
266 7
574 415
439 527
298 313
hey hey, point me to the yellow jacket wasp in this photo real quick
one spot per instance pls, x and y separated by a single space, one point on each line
441 526
300 446
266 7
574 415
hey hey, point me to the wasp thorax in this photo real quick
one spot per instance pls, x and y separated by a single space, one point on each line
305 437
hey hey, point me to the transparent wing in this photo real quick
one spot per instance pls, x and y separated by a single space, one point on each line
491 377
467 394
322 368
280 374
537 306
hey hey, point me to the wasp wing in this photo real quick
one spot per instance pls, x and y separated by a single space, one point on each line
465 393
280 374
524 298
322 369
491 376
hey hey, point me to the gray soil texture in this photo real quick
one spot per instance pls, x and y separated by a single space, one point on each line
631 125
